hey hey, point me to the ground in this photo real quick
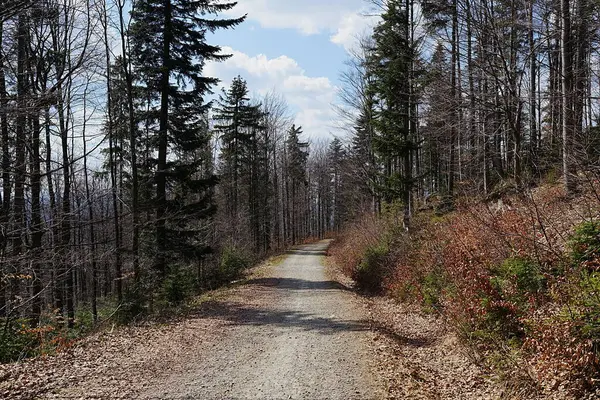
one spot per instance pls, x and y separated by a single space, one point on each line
294 330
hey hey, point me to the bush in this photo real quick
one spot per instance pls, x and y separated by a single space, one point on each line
505 273
370 272
132 306
233 263
178 286
432 287
585 245
588 301
17 340
518 279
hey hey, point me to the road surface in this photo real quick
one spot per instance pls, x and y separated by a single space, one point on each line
292 334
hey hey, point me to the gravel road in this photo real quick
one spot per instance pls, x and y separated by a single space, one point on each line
292 334
289 332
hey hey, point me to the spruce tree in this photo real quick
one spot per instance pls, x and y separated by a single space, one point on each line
170 49
391 66
296 182
236 120
336 160
437 134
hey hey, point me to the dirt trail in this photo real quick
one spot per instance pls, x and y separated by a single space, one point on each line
291 335
287 333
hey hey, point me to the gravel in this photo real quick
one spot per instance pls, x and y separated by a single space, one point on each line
290 335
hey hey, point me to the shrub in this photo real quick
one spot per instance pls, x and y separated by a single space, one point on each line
433 286
585 245
233 262
505 273
517 279
587 301
17 340
132 307
370 272
178 286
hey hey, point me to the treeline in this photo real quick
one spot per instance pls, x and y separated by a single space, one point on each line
124 187
455 98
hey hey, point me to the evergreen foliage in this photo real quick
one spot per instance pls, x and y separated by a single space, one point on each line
170 50
391 67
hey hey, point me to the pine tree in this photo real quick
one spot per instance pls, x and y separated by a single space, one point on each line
170 49
364 173
439 116
391 65
296 181
336 156
235 120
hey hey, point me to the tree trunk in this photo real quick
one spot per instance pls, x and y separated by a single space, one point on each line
533 135
135 209
20 148
161 195
567 96
6 184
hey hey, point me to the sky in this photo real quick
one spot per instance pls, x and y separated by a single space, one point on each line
296 48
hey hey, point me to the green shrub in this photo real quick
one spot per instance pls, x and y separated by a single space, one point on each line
585 253
232 265
521 273
17 340
370 273
432 287
133 305
516 281
585 244
588 302
178 286
502 319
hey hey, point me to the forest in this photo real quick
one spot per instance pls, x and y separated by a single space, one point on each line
131 181
123 184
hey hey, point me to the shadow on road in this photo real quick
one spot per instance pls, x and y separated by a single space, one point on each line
307 252
297 284
236 315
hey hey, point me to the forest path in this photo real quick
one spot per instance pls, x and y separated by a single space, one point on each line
288 331
292 334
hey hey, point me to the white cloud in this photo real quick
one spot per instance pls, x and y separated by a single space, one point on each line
307 16
343 19
259 65
303 83
351 28
310 97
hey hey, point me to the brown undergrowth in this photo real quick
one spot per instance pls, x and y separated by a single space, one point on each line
517 279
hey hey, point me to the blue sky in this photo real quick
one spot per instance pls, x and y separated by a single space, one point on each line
297 48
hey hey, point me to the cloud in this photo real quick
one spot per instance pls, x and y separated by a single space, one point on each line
351 28
259 65
343 19
309 97
307 16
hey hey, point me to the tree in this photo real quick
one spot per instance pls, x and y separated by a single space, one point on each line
169 44
234 118
296 182
392 67
438 135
